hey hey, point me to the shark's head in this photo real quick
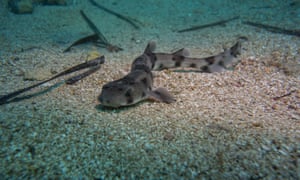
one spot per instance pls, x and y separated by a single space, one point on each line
136 85
114 95
128 90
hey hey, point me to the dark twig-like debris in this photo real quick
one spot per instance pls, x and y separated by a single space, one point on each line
93 66
274 29
90 38
98 38
127 19
94 28
102 41
285 95
222 22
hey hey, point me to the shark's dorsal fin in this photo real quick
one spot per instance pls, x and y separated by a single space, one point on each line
150 47
182 52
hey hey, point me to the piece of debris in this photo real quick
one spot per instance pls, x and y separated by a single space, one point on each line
92 65
273 29
98 38
218 23
125 18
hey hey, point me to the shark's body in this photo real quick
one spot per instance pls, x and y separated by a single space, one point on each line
137 85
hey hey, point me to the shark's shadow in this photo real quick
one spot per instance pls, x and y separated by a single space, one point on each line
101 108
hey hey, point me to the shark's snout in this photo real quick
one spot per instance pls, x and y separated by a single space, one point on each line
100 98
107 101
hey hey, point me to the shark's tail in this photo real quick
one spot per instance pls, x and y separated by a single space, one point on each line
236 49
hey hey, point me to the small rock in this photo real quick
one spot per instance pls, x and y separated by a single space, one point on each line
18 72
37 74
169 136
148 147
20 6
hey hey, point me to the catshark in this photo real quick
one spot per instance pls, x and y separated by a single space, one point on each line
137 85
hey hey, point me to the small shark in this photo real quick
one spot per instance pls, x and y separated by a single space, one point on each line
137 85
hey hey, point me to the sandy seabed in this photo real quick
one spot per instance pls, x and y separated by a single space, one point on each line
240 124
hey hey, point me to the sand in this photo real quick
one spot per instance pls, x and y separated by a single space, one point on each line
240 124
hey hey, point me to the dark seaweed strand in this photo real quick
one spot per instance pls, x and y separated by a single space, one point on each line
209 25
76 78
103 41
89 38
95 62
274 29
4 99
94 28
115 14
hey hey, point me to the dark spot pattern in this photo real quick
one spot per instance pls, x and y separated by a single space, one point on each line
178 60
204 69
221 63
210 60
128 93
193 65
129 100
145 82
177 64
161 66
125 80
129 97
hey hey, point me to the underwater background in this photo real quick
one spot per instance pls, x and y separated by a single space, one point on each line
239 124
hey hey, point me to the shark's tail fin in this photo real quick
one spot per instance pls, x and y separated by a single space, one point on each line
236 49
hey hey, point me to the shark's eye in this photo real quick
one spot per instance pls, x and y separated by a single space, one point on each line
105 87
204 68
161 66
144 81
143 94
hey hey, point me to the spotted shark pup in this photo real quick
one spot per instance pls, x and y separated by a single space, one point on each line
137 85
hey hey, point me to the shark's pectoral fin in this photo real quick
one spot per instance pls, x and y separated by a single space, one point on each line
162 95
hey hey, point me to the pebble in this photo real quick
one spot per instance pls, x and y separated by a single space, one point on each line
26 6
37 74
20 6
148 147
